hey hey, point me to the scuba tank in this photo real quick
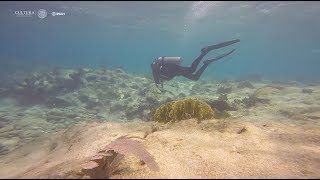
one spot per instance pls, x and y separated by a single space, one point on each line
174 60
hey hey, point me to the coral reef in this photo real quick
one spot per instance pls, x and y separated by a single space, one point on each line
251 101
63 117
221 104
267 91
56 102
224 90
90 100
225 81
63 97
183 109
308 91
245 84
284 82
221 107
276 86
221 114
202 88
251 77
37 87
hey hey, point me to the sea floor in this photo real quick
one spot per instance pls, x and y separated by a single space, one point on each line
273 132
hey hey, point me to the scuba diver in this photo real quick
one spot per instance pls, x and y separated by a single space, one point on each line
166 68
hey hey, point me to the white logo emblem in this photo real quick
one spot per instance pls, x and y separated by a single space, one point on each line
42 13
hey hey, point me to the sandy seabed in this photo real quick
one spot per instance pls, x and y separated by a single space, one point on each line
230 148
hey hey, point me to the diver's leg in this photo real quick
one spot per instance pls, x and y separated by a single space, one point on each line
206 50
196 76
218 57
196 62
184 71
217 46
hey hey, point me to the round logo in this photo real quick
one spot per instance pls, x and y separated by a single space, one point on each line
42 13
53 13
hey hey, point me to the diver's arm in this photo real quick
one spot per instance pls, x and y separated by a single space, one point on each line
160 82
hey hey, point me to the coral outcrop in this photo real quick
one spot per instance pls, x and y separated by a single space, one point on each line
183 109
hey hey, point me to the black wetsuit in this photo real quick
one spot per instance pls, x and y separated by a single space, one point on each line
164 71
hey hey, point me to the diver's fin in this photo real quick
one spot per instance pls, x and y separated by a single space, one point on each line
218 57
220 45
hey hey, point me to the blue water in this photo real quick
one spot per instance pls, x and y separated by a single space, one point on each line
278 39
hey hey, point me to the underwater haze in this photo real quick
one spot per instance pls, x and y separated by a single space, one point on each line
82 97
279 40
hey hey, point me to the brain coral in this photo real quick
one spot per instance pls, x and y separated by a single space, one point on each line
183 109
